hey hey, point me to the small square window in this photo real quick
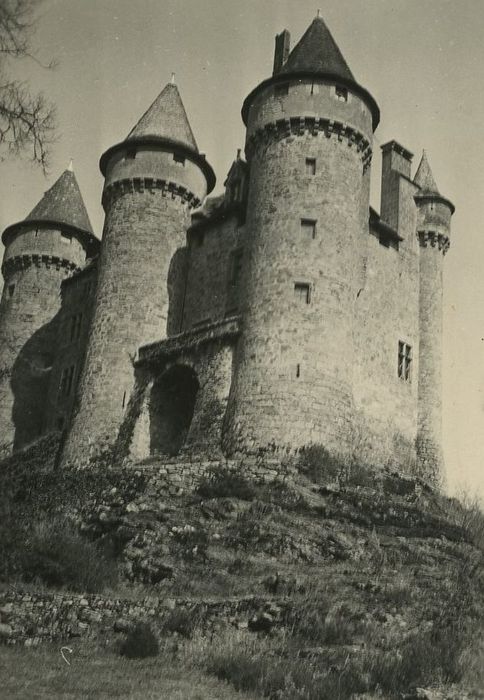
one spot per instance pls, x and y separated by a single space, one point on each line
310 166
179 159
341 93
308 227
404 366
11 289
130 153
302 292
281 90
66 238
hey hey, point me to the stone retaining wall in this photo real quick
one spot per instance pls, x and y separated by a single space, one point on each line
32 618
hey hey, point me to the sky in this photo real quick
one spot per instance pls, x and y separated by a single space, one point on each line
422 60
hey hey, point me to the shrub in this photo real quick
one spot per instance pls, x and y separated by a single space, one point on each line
189 542
57 555
140 642
225 483
182 622
467 512
423 659
357 474
318 464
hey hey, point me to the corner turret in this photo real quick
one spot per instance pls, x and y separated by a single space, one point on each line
153 179
434 214
51 243
308 146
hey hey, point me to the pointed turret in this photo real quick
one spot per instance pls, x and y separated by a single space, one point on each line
63 202
153 180
166 118
61 205
164 125
315 57
424 177
318 52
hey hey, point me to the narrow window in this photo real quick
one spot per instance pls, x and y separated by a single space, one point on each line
11 289
310 166
124 399
302 293
404 367
308 227
130 153
281 90
298 371
36 232
341 93
179 159
236 267
66 381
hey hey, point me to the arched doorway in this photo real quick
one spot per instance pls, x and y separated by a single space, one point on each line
171 406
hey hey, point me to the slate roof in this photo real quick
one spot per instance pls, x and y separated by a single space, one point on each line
317 52
165 118
63 203
424 177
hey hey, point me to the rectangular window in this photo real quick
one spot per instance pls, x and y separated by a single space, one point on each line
310 166
179 159
341 93
302 293
236 266
11 289
308 227
76 326
404 361
281 90
67 378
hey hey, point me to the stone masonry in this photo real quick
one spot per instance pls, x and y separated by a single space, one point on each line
283 312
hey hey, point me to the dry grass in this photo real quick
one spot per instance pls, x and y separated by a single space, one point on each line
41 674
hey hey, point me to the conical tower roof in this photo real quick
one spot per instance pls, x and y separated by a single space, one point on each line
166 118
424 177
318 52
63 203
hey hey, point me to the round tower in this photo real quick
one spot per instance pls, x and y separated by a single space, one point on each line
152 181
309 144
433 231
40 251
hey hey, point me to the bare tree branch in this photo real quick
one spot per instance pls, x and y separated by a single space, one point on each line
27 121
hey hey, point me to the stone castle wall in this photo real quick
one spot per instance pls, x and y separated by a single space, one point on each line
140 277
213 283
293 367
36 261
73 328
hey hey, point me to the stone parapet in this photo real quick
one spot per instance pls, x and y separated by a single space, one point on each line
148 184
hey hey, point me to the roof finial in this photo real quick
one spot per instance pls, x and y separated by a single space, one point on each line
71 166
319 13
172 79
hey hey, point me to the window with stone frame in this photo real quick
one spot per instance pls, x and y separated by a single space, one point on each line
404 366
308 227
310 166
302 292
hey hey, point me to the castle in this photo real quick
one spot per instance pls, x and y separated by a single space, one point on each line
281 313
